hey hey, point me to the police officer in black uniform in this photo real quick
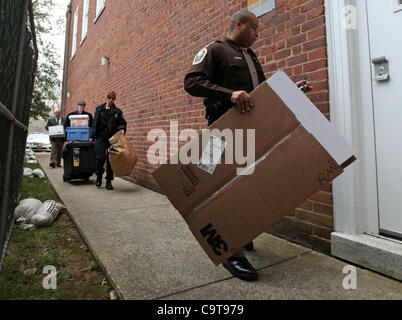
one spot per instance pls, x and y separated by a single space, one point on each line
108 121
225 72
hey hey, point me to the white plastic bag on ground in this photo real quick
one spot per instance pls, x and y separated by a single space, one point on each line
47 213
28 172
25 226
27 208
30 154
38 173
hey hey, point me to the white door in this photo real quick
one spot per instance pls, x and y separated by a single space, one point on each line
385 34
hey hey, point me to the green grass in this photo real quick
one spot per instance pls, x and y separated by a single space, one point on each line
40 189
79 274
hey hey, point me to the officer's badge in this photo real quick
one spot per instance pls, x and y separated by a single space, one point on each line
116 115
200 56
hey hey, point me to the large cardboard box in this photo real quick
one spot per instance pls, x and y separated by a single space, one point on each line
297 152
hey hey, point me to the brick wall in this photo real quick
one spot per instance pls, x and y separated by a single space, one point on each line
151 45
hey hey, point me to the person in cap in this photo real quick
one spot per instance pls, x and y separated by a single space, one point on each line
108 121
224 73
80 111
57 143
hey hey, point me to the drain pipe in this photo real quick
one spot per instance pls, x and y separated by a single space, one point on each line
67 49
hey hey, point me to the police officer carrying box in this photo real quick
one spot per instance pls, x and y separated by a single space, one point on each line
108 121
225 72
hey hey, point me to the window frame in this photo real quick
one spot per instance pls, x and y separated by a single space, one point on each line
261 7
85 16
100 7
397 5
75 33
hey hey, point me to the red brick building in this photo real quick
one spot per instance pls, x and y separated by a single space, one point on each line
150 46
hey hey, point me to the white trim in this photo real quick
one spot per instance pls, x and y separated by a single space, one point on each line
355 192
85 14
75 34
82 40
99 10
260 8
351 111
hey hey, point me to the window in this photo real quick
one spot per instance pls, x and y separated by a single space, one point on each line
85 12
397 5
100 5
75 31
261 7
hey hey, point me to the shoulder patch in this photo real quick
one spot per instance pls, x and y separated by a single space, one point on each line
200 56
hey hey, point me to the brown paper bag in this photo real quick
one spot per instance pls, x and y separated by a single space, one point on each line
121 155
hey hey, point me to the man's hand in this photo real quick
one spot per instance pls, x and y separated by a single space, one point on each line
242 101
304 85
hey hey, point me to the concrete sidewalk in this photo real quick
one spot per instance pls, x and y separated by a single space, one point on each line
148 252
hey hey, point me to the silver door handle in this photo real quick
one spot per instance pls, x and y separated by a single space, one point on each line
381 69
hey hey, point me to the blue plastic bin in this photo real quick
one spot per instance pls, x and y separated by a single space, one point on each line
78 133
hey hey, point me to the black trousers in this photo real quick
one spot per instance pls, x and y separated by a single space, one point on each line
101 147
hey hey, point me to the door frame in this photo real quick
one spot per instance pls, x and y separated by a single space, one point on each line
356 215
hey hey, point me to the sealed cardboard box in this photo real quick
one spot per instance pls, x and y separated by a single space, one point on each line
296 152
56 132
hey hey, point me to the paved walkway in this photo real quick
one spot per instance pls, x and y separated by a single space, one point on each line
148 252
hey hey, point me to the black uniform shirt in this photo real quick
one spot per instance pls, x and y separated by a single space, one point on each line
219 69
108 121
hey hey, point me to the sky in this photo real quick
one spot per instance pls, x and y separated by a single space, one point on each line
57 36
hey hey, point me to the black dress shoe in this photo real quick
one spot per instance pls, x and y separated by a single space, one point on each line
109 185
52 165
59 166
241 268
249 246
98 181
